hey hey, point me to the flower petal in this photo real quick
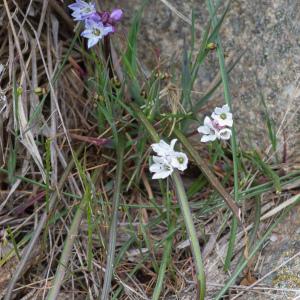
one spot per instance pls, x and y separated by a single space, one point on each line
218 110
155 168
163 174
226 108
172 144
208 138
203 129
225 134
162 148
158 159
207 121
92 42
179 160
107 30
116 15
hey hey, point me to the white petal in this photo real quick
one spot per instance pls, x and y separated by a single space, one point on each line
225 134
162 174
175 161
161 168
162 148
228 122
223 122
204 129
207 121
225 108
208 138
155 168
88 34
106 30
218 110
159 160
92 42
173 142
214 116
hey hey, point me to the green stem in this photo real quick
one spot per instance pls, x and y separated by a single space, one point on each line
113 228
184 205
228 100
188 219
208 173
164 263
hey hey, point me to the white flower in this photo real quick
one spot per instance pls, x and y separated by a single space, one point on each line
212 131
164 149
161 168
167 159
223 116
179 160
208 130
95 31
224 134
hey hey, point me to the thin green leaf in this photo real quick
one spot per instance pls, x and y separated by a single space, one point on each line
110 265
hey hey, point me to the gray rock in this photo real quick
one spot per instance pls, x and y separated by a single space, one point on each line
270 32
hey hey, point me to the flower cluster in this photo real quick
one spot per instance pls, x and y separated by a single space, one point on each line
167 160
97 24
218 126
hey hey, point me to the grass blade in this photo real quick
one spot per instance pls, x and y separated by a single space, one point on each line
253 252
209 174
113 227
164 262
188 219
27 252
228 101
64 259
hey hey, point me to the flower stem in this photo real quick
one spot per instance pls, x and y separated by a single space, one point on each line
110 263
228 100
188 219
184 205
108 57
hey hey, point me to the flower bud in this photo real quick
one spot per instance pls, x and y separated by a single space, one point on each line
211 46
39 91
19 90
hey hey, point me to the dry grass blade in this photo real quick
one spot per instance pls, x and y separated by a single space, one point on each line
95 237
177 12
65 256
27 253
21 122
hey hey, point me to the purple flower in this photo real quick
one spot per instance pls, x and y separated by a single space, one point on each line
95 31
110 19
116 15
82 10
95 16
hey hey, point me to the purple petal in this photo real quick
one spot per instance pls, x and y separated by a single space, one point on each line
74 6
87 34
107 30
95 17
116 15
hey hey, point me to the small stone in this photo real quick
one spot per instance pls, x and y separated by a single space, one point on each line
274 238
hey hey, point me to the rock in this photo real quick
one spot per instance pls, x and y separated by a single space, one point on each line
269 30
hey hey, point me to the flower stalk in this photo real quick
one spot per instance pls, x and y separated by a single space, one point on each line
189 224
184 206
